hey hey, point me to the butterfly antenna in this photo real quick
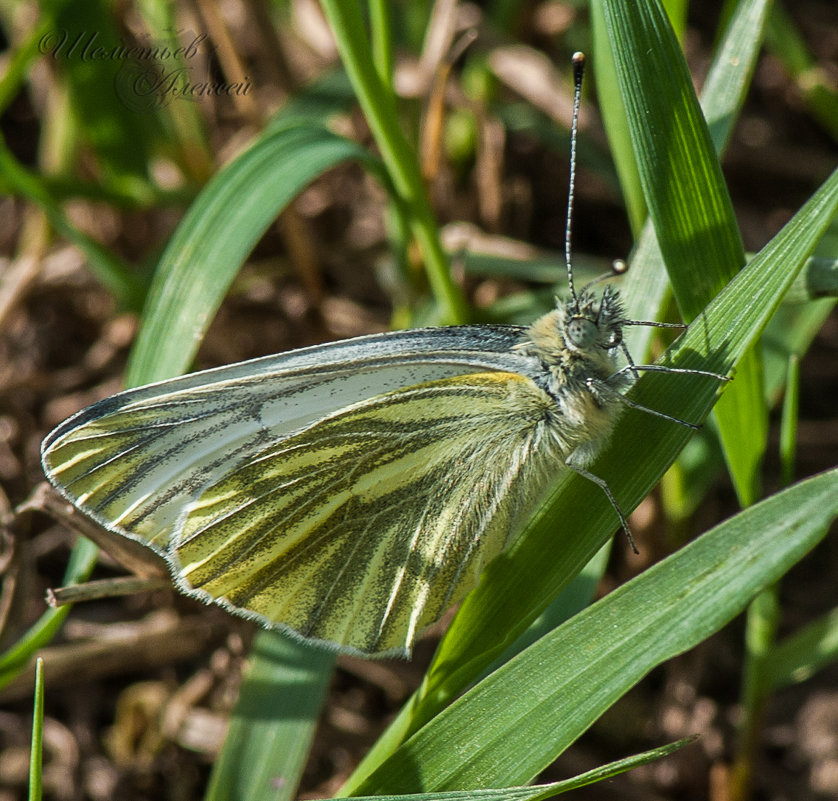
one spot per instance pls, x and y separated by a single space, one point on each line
578 71
618 267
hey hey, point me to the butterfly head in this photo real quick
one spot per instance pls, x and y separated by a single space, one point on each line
588 321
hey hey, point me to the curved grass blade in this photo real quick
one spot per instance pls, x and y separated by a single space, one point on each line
540 791
680 175
216 235
532 708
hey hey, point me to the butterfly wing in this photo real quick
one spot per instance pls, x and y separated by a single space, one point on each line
363 528
135 460
360 528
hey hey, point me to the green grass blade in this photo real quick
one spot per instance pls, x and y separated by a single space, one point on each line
572 599
267 744
721 100
689 205
616 125
788 423
801 655
217 234
381 31
733 66
577 518
541 791
806 307
681 177
36 755
536 705
380 111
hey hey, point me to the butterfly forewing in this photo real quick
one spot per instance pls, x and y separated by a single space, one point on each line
135 460
363 528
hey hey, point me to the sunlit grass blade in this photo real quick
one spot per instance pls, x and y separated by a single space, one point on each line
533 707
721 101
689 205
688 200
543 791
379 106
36 755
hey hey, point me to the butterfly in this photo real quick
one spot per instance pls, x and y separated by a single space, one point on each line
350 493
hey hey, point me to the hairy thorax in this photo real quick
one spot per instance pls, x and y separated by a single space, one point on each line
573 377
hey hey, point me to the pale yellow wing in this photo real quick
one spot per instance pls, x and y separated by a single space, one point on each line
364 528
134 462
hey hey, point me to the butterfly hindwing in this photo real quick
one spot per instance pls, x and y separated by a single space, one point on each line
363 528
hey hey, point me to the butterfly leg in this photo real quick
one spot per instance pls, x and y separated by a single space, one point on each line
662 368
632 367
603 485
601 387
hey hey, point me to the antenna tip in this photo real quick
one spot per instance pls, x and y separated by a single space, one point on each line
578 67
619 266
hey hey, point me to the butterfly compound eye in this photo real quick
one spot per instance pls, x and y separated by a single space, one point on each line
581 332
